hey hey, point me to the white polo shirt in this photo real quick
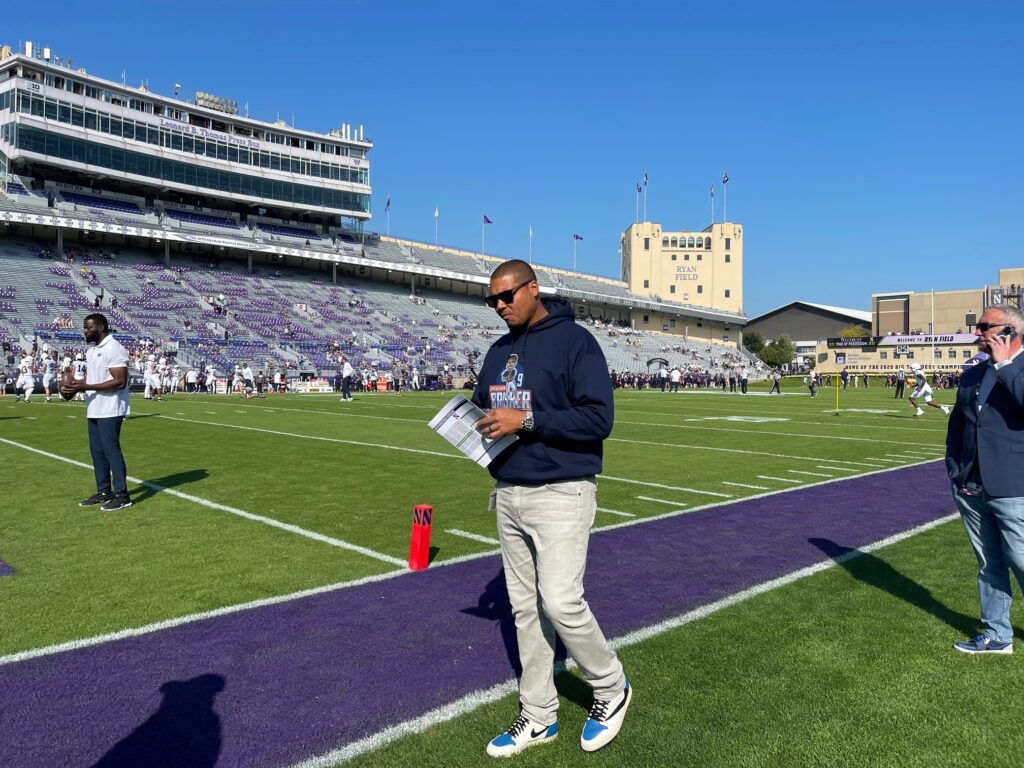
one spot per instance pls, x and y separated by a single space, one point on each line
98 360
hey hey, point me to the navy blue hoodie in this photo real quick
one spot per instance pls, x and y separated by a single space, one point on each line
556 369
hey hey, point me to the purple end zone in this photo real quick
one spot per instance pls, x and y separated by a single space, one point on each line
275 685
5 569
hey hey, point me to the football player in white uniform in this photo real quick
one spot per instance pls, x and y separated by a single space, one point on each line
49 368
161 377
152 379
26 378
211 380
79 367
922 389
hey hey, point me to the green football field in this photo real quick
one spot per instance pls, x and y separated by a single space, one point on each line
238 501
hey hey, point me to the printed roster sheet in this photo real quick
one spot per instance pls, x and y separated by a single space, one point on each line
456 423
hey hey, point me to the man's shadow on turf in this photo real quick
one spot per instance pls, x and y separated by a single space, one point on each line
170 481
184 732
867 568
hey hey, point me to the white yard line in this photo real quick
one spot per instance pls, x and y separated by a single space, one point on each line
473 701
811 474
744 485
658 501
225 508
666 487
473 536
615 512
749 432
780 479
317 437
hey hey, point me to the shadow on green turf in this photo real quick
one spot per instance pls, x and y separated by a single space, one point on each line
170 481
872 570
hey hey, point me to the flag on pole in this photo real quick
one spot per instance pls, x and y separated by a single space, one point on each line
725 178
387 204
436 213
638 190
645 179
577 237
712 190
486 220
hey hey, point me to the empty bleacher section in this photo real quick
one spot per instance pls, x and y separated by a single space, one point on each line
205 219
217 312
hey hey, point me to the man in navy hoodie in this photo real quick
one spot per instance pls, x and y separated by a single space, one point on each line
547 381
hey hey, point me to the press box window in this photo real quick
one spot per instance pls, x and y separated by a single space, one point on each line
671 289
700 289
727 293
728 243
647 243
647 283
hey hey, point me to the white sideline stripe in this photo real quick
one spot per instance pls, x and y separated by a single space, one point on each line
838 469
473 536
744 451
659 501
477 699
615 512
780 479
317 437
666 487
146 629
758 433
811 474
233 510
744 485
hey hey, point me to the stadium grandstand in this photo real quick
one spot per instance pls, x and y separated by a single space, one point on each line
222 240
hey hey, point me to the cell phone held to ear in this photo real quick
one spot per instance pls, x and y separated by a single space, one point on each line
1008 332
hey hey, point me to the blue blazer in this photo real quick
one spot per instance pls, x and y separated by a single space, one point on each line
987 426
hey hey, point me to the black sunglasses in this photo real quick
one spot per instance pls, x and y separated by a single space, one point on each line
505 297
986 326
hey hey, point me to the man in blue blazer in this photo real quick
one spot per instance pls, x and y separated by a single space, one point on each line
985 460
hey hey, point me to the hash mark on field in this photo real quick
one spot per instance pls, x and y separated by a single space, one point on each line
780 479
666 487
660 501
744 485
838 469
69 417
178 414
473 536
212 413
812 474
31 417
615 512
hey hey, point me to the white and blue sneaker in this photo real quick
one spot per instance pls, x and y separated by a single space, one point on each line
983 644
605 720
523 733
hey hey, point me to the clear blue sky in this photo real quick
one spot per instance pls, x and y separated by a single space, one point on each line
871 146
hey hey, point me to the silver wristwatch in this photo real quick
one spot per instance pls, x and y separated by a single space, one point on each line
528 422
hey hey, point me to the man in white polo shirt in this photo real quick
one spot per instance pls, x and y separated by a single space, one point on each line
106 406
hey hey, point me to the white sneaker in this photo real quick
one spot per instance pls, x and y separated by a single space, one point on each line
919 412
945 409
605 720
523 733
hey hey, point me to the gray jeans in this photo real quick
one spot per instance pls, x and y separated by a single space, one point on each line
544 532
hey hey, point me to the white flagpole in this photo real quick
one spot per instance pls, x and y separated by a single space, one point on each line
637 203
574 253
389 221
645 197
482 228
725 201
531 243
436 215
712 203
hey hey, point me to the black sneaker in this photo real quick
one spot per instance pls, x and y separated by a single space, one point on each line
96 498
116 503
